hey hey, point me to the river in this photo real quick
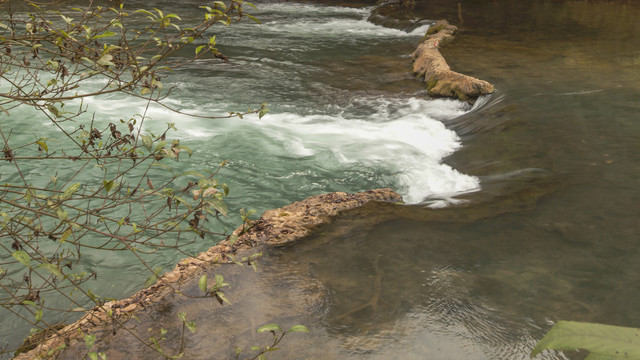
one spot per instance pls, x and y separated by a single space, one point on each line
522 210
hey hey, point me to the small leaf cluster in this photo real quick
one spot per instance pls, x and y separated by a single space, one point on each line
119 188
277 333
215 290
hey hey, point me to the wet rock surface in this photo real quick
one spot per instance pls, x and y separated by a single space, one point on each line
397 14
430 65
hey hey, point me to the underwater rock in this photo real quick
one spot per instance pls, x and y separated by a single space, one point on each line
429 65
396 14
276 227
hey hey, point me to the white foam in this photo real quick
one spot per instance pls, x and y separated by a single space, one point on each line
402 136
330 28
307 10
327 21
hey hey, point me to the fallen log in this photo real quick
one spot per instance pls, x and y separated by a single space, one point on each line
276 227
430 65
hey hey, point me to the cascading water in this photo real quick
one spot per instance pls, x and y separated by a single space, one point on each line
332 126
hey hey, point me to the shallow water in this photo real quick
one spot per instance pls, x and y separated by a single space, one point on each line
550 235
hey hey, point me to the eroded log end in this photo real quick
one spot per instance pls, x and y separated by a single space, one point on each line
429 65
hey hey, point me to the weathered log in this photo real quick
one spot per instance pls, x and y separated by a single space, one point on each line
429 65
276 227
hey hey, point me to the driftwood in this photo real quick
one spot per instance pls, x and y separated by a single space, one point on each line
429 64
275 228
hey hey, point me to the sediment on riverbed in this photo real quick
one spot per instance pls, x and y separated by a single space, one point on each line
276 227
430 65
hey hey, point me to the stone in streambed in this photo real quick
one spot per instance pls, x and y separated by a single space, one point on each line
428 64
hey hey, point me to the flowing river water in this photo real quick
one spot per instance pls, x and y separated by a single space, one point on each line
523 210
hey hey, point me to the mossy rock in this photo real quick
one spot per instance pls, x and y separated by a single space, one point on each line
434 29
431 83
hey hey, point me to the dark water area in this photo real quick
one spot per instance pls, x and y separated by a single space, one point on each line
552 234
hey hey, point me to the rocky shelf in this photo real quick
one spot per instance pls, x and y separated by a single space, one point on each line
430 65
276 227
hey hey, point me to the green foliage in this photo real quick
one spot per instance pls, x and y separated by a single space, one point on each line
119 188
215 290
277 333
601 341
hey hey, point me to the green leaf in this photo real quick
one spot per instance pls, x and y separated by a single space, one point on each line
22 257
6 218
62 215
191 325
89 340
268 328
193 173
179 200
182 316
105 60
104 34
38 315
150 14
65 235
54 110
147 141
187 149
253 18
71 190
43 145
107 185
202 283
92 296
66 19
298 328
92 355
220 281
52 269
219 205
263 112
150 280
602 341
221 296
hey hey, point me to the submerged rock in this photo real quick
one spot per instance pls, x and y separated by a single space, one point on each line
397 14
429 65
276 227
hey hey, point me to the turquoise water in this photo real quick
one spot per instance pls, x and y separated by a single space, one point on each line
524 209
345 115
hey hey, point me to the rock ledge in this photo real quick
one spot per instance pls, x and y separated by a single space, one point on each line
429 65
275 228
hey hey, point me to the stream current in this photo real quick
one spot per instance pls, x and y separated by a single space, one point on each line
524 208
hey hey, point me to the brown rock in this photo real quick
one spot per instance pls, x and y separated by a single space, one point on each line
275 227
429 64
